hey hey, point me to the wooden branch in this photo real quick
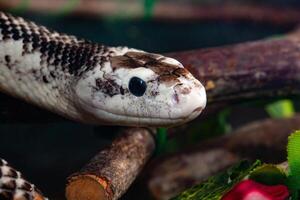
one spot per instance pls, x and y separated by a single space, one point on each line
266 68
265 140
167 10
109 174
14 187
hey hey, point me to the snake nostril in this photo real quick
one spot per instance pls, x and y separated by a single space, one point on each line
182 89
176 98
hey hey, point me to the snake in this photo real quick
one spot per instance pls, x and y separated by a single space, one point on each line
94 83
90 83
13 186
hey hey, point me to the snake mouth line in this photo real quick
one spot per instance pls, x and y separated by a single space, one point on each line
100 113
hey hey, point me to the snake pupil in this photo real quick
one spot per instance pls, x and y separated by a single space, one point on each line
137 86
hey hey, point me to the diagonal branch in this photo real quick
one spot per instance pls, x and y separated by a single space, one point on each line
266 68
110 173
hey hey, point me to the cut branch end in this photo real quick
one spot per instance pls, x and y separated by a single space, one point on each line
94 188
110 173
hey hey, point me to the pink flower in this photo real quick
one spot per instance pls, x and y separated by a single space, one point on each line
251 190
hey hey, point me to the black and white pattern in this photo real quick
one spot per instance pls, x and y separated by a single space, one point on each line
89 82
14 187
56 49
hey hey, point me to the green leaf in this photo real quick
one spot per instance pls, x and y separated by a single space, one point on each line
268 174
281 109
294 196
293 151
215 187
223 120
161 140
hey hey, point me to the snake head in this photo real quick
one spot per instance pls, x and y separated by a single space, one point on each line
136 88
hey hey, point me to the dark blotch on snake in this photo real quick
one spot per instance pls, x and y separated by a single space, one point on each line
72 55
10 185
6 195
45 80
26 186
12 173
7 58
108 87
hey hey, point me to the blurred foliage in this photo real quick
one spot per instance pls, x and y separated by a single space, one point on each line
215 187
148 7
222 118
22 6
281 109
70 5
210 127
269 174
161 140
67 8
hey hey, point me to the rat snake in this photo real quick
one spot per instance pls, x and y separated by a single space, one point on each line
90 83
93 83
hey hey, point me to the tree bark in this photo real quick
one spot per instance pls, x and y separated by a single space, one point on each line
265 140
109 174
266 68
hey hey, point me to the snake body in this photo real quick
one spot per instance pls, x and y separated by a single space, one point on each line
93 83
13 186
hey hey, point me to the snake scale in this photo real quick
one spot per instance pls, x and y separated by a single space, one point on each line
93 83
14 187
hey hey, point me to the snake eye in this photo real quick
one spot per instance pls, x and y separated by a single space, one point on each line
137 86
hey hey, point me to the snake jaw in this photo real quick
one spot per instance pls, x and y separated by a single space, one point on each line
172 96
97 115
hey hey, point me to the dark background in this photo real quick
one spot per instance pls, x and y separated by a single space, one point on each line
47 153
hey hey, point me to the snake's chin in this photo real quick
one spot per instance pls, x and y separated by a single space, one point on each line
100 116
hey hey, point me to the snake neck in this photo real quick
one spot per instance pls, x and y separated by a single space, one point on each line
42 66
